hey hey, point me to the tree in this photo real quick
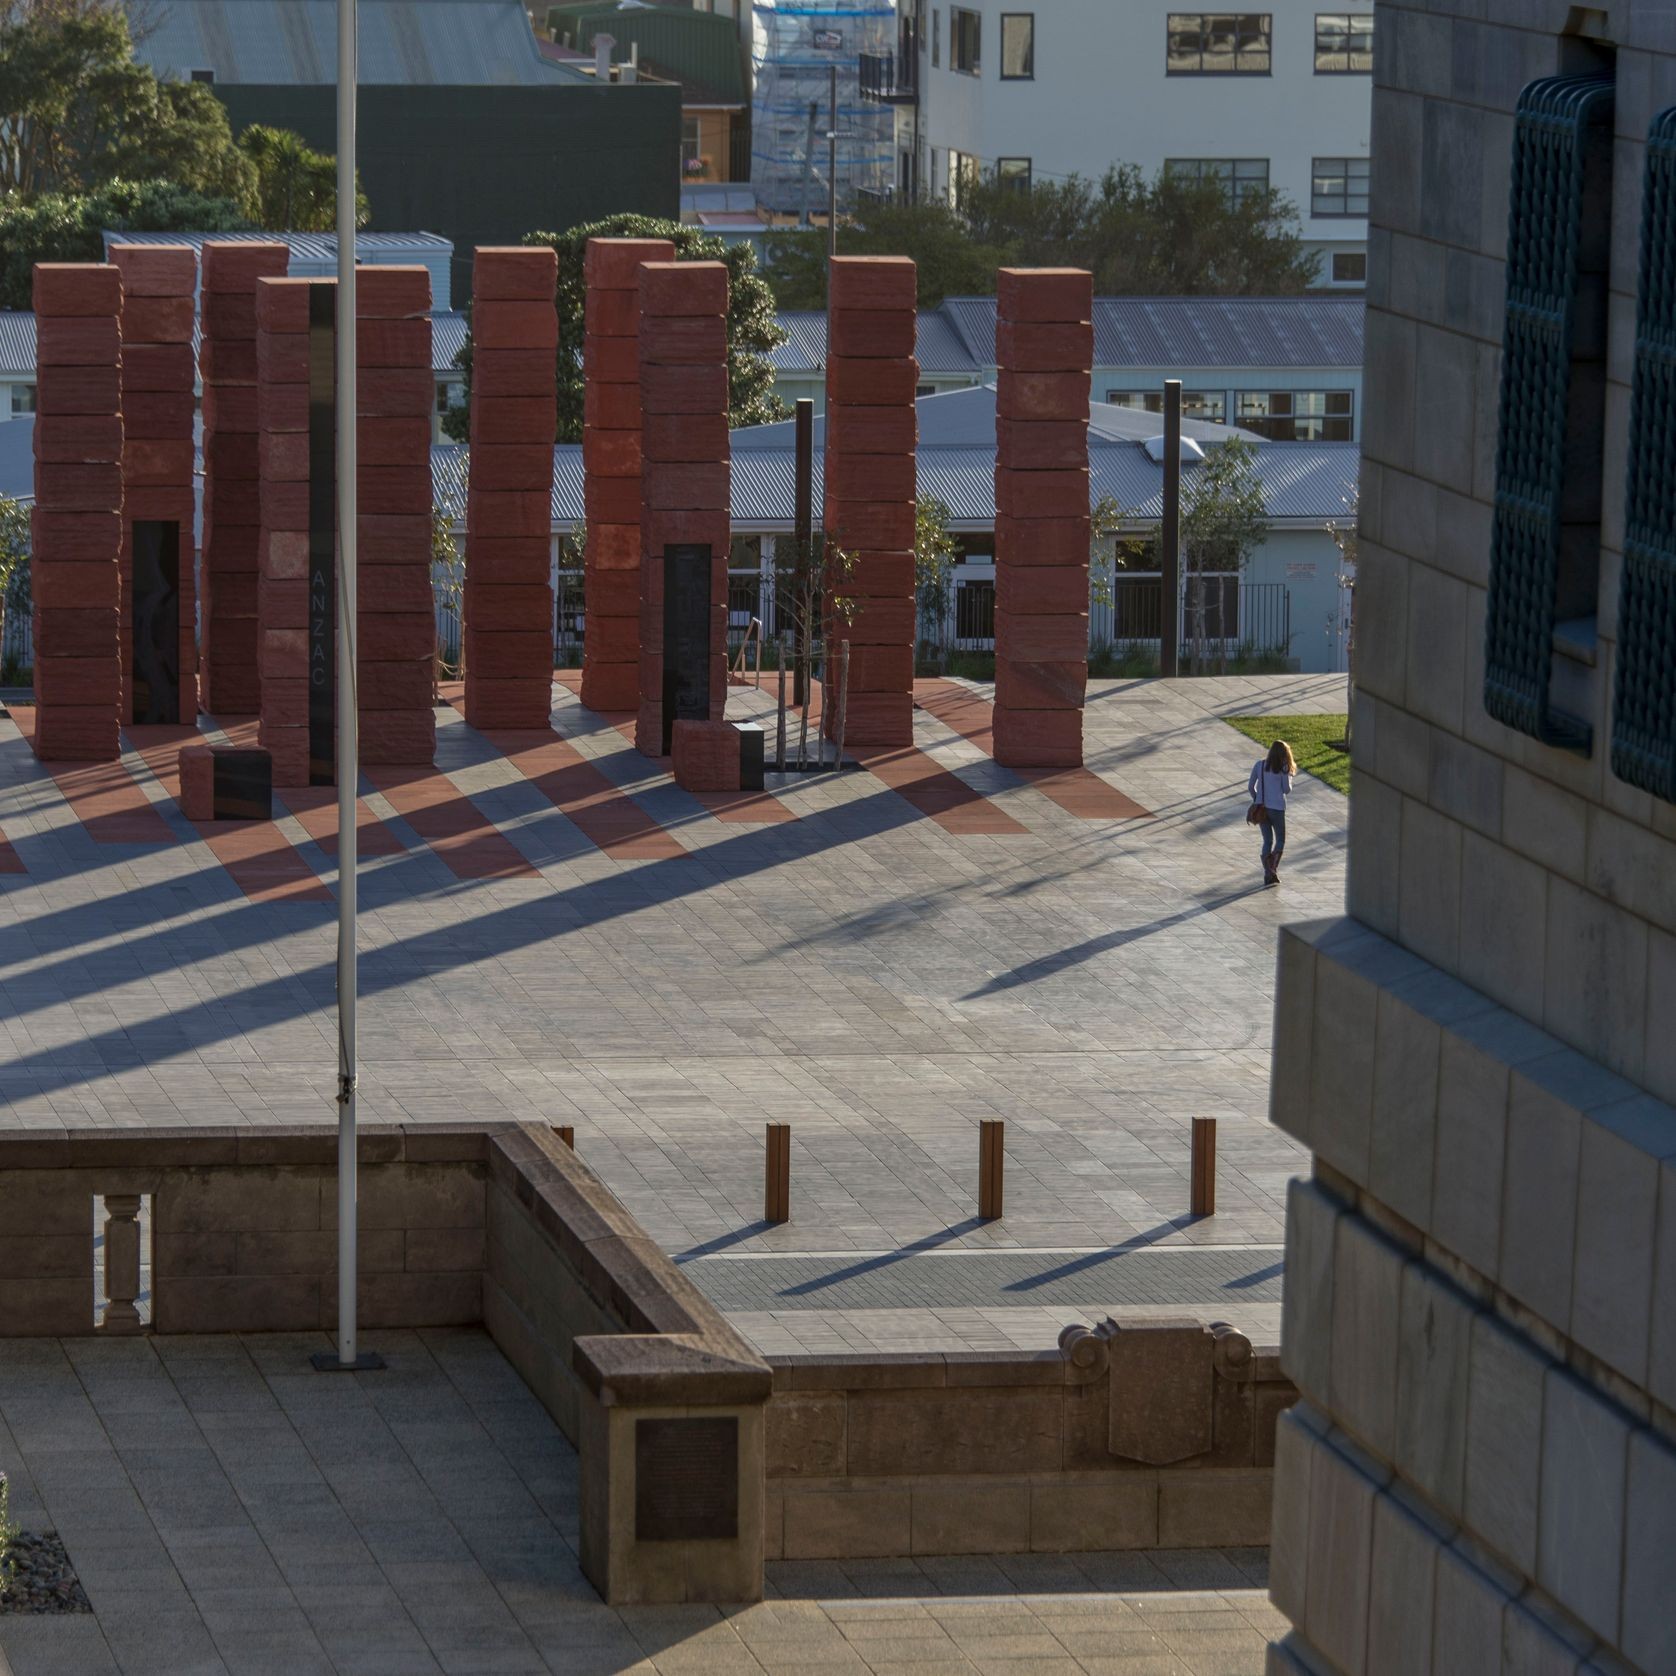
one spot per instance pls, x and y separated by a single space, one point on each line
951 262
809 579
77 112
14 560
934 556
66 228
751 330
1167 236
1224 520
1347 538
294 188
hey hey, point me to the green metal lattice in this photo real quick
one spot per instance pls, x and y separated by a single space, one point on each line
1644 687
1557 121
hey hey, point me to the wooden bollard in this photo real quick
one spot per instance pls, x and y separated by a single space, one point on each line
991 1167
566 1133
776 1195
1202 1192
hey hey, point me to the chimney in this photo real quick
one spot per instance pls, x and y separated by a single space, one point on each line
602 57
630 72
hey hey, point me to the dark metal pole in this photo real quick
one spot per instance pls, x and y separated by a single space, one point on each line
1169 625
832 171
804 534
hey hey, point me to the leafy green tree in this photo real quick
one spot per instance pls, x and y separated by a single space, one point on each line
934 556
77 112
751 330
952 262
14 559
1224 520
1167 236
66 227
294 187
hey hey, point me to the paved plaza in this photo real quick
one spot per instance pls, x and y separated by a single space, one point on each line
551 930
233 1514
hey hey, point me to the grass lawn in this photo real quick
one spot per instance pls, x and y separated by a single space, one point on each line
1316 742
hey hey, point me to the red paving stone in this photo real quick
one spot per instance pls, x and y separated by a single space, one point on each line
464 838
259 858
920 781
1078 791
599 810
108 801
316 808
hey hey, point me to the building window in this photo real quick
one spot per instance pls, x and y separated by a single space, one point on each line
962 169
1013 172
936 38
1343 43
1350 267
1240 177
1339 186
23 398
1296 415
691 139
1219 43
1018 46
965 35
1209 405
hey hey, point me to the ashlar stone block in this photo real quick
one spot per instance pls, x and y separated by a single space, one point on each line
1649 1620
1340 1557
1504 1440
1402 1588
1403 1133
1341 1086
1433 1363
1539 1196
1367 1290
1580 1527
1307 1308
1467 1617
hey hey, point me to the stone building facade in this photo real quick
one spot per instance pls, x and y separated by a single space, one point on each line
1481 1271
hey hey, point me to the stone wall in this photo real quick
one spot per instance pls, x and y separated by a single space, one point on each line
1157 1434
1481 1276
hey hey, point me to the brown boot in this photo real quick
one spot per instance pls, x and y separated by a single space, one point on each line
1274 867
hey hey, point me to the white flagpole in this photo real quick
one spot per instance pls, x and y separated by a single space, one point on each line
348 742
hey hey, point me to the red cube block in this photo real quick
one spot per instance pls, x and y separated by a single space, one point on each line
511 372
1024 346
1038 738
1044 294
872 334
76 289
148 463
611 314
75 587
282 602
228 408
1061 639
872 282
95 680
78 341
157 319
1041 494
669 390
604 453
1041 541
862 382
881 669
870 430
1042 395
613 593
687 437
78 488
402 589
870 525
396 392
155 270
76 633
1041 445
683 340
506 561
392 291
705 756
509 702
78 390
505 272
394 539
227 361
878 477
514 514
389 637
395 686
399 737
236 265
509 651
393 343
876 622
519 606
612 407
283 456
77 733
611 360
682 288
514 419
393 489
516 325
879 719
1041 590
682 488
78 438
235 316
282 358
526 467
614 264
1040 686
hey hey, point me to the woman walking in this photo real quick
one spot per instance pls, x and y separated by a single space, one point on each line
1270 786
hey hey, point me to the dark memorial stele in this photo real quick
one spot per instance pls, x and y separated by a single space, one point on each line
686 635
243 785
322 536
686 1480
154 644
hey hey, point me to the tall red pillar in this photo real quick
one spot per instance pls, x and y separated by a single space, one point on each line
611 464
76 537
159 282
231 684
397 617
282 363
1044 349
685 475
871 431
509 512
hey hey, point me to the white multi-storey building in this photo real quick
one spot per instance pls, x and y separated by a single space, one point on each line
1277 98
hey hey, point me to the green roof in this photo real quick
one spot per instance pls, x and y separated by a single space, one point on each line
700 50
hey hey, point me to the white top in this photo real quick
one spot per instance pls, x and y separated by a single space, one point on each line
1271 788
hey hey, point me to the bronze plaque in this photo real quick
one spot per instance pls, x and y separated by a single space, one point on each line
686 1480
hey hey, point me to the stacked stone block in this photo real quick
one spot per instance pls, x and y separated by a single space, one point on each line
77 521
871 432
282 362
508 587
396 620
159 282
232 516
685 477
1044 350
611 461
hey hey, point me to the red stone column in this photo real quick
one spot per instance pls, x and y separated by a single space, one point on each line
159 283
685 476
396 619
282 364
1044 348
77 521
611 463
871 431
232 522
509 513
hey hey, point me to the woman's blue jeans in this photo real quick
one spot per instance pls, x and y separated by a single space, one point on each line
1274 832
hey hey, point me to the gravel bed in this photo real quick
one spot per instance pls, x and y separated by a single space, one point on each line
44 1579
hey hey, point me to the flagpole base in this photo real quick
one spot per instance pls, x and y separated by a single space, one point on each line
326 1361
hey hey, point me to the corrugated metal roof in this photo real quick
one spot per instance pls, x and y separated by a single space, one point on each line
448 338
1310 331
404 43
304 247
17 341
1150 332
